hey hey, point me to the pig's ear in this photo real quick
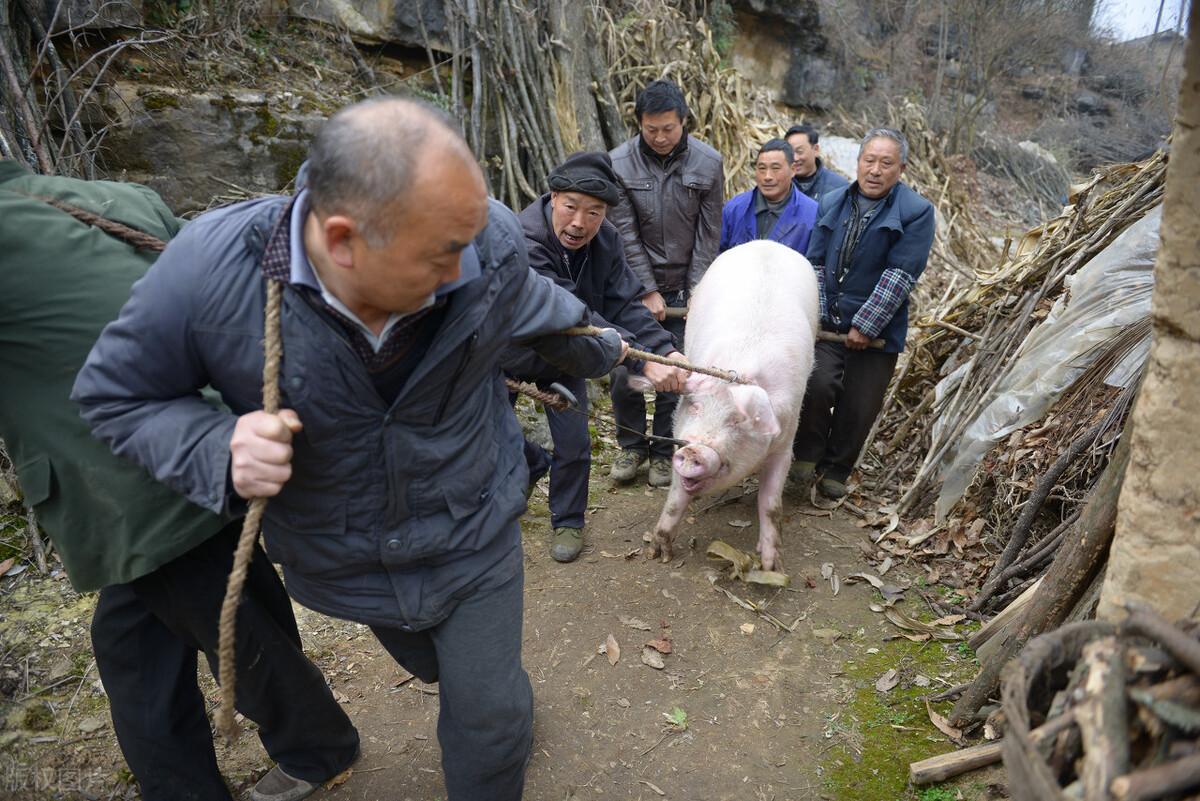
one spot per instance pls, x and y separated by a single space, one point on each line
753 402
639 383
698 384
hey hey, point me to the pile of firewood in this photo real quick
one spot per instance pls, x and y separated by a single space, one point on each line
1101 711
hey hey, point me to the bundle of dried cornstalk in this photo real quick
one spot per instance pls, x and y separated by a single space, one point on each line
1121 705
979 329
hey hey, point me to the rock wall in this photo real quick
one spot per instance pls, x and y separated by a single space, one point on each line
781 46
396 21
191 148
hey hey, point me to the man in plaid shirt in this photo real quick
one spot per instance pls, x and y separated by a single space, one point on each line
869 247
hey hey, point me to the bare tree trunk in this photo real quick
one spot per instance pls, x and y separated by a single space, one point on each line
571 29
1155 556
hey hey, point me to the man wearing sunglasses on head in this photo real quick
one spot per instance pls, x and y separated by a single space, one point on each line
571 242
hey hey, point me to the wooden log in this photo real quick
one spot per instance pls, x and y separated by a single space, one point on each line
947 766
1145 621
1159 781
1181 690
1103 719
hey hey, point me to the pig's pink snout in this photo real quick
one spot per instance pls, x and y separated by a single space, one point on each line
696 461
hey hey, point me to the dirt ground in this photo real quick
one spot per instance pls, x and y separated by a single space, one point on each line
741 709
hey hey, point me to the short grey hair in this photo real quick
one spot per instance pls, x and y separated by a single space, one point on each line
886 133
363 160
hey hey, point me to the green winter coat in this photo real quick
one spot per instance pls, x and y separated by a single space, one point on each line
61 281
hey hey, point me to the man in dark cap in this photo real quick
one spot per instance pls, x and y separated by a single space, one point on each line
571 242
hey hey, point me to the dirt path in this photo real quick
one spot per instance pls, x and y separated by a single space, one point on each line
759 713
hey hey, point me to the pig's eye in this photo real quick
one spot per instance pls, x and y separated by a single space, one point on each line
694 408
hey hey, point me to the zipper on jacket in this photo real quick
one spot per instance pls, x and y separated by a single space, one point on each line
458 371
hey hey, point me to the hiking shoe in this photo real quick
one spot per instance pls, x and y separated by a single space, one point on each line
624 468
660 472
834 490
567 544
278 786
800 477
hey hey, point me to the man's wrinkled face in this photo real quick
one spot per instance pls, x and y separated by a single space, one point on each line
576 217
805 162
662 131
444 210
879 167
773 175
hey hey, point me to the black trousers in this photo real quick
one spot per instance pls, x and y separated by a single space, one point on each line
844 395
485 719
146 636
629 406
571 461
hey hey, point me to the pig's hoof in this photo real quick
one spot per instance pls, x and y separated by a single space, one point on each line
651 551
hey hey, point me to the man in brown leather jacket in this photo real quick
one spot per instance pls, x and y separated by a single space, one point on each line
669 218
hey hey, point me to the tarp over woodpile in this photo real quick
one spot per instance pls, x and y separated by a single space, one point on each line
1016 388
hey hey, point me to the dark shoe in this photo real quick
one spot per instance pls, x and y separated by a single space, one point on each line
278 786
567 544
660 472
800 478
834 490
624 468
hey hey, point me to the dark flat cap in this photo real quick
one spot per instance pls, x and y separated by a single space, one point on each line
589 173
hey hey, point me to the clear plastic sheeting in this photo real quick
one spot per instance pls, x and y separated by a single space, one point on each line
1110 292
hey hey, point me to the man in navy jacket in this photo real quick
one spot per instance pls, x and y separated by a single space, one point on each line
812 177
394 467
775 209
571 243
869 248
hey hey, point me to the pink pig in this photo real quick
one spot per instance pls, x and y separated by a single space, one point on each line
755 313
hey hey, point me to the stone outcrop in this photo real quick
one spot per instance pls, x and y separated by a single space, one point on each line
192 147
781 46
379 21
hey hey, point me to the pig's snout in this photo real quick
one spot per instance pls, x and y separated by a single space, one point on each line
695 463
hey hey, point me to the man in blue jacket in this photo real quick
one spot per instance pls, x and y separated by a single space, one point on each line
571 243
870 247
394 467
775 209
811 177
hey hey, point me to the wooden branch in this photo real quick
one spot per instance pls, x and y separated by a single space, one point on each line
1145 621
21 108
1069 575
947 766
1159 781
1033 505
1103 719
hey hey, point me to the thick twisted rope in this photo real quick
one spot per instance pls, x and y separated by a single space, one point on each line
136 238
724 375
551 400
227 670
